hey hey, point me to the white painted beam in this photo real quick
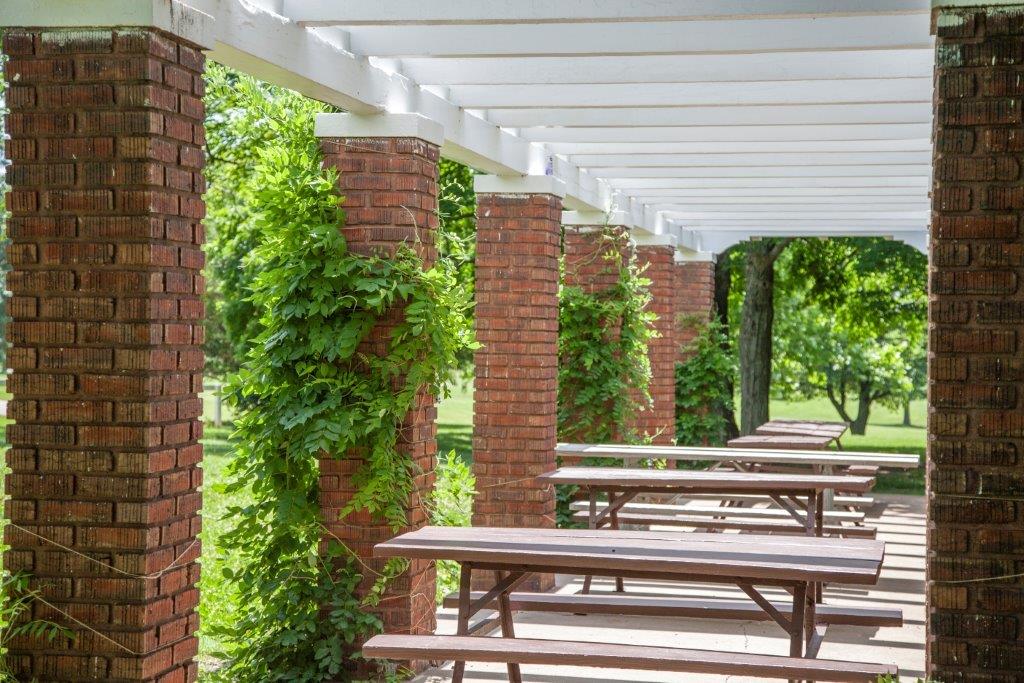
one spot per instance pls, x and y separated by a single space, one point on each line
854 213
823 159
909 31
785 194
529 184
475 12
571 95
809 114
699 68
251 37
178 18
771 184
770 204
730 134
741 147
612 174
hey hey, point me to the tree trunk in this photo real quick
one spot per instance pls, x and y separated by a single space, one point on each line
723 283
756 332
864 398
906 414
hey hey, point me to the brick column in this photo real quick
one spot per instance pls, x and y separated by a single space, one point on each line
388 176
659 421
514 421
976 374
106 129
695 299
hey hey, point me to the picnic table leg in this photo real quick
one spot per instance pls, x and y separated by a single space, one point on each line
830 495
620 587
462 628
507 629
592 524
819 523
811 514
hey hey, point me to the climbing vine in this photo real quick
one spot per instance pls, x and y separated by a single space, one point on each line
604 371
702 387
306 389
603 368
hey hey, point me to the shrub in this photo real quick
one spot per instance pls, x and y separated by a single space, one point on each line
702 383
451 505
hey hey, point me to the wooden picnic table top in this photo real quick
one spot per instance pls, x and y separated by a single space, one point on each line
797 442
720 558
717 481
835 430
740 455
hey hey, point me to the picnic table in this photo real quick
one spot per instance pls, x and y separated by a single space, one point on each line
801 496
833 430
797 564
744 459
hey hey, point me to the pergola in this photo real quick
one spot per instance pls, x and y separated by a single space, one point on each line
693 124
709 123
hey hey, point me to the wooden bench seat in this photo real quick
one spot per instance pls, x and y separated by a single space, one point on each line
718 511
607 655
763 527
840 501
670 606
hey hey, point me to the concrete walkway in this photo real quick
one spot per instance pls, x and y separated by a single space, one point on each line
901 524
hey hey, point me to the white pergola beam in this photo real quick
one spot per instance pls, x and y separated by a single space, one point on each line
779 159
788 203
741 147
889 171
748 115
907 31
701 68
770 184
475 12
251 37
735 134
853 91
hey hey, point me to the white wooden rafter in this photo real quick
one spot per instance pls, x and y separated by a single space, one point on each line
702 121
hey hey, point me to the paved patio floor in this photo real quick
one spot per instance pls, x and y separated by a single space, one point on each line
901 524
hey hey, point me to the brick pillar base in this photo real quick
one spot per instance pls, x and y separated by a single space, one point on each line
976 374
106 131
695 300
390 189
514 421
659 421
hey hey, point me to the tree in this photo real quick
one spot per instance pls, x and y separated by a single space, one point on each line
728 260
755 342
851 324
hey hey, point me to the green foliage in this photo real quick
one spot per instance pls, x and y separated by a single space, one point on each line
604 371
309 389
850 322
16 600
456 235
451 505
702 383
236 135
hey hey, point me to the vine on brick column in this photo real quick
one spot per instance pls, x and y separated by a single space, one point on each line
604 371
307 388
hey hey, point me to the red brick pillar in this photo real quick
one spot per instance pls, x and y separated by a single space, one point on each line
695 299
388 176
659 421
976 373
587 248
514 420
106 129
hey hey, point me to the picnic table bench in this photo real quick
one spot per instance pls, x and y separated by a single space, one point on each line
797 564
797 442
